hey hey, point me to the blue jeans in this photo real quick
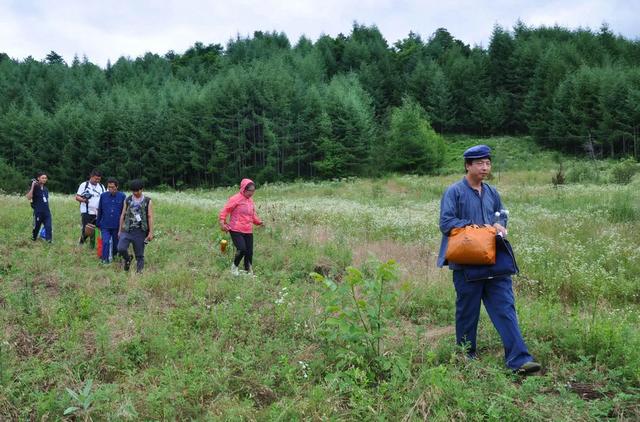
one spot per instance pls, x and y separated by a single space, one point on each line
109 235
498 299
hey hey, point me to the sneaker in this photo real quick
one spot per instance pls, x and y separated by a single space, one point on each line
234 270
529 368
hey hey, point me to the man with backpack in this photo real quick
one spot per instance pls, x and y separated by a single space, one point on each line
136 225
88 195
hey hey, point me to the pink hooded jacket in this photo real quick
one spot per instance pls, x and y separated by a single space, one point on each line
242 211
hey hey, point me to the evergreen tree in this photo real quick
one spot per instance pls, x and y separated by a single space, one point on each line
413 146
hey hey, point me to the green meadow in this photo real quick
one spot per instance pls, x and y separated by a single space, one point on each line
326 330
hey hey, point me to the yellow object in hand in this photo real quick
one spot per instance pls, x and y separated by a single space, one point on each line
223 245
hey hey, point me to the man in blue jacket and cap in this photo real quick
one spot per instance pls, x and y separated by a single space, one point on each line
471 201
108 220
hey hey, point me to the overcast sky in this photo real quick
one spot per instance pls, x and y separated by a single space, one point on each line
108 29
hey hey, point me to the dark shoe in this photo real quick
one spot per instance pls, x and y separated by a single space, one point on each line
127 264
529 368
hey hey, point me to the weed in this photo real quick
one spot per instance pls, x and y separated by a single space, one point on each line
82 400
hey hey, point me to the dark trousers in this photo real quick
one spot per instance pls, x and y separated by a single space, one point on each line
109 235
498 299
135 237
39 219
86 218
244 248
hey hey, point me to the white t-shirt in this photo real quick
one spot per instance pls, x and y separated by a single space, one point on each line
95 191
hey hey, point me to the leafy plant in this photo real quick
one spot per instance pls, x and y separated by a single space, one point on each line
357 315
82 400
623 171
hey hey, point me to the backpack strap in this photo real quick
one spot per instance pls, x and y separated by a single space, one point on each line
86 204
146 203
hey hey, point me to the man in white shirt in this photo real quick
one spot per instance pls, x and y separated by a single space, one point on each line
88 196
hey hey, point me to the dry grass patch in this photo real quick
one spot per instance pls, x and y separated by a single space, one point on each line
416 261
317 235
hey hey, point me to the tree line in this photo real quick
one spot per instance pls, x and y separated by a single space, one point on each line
339 106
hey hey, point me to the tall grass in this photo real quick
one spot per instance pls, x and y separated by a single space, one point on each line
186 340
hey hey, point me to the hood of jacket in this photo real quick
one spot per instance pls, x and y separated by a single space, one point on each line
244 183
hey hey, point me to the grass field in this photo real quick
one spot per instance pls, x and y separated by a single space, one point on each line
186 340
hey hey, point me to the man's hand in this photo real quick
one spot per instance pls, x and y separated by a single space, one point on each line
149 237
501 229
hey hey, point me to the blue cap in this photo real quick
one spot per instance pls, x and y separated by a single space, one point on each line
478 151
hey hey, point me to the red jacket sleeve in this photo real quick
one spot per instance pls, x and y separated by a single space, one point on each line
226 210
256 219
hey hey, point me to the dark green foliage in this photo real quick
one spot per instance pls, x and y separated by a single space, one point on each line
265 108
11 180
413 146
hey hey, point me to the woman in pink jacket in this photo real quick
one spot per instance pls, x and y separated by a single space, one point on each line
243 216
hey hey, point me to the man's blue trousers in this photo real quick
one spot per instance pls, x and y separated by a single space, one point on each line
498 299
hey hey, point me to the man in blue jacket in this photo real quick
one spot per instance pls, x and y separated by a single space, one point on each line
108 219
39 197
471 201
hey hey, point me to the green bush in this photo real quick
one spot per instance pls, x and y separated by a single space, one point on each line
623 171
414 146
11 180
587 171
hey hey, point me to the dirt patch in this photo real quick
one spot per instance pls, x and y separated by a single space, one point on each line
324 267
436 333
393 187
262 395
585 391
50 283
307 354
27 344
407 329
89 340
415 260
318 235
121 328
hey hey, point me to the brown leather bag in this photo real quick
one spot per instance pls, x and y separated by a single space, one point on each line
472 245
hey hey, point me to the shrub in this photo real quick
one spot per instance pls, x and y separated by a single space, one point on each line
623 171
413 144
11 180
358 310
584 172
